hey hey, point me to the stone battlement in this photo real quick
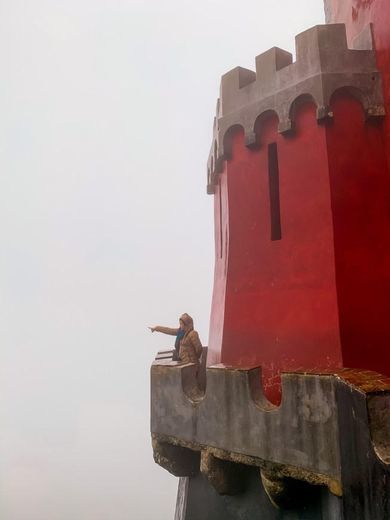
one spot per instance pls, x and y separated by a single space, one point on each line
307 438
324 64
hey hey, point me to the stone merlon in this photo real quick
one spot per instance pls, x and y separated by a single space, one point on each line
324 64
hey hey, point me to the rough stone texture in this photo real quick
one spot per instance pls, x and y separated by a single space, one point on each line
235 417
285 493
166 356
331 429
366 476
324 64
378 409
202 502
224 475
179 461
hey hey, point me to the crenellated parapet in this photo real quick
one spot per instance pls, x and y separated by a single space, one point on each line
234 405
307 438
324 64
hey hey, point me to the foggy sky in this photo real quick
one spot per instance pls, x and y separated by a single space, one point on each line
106 110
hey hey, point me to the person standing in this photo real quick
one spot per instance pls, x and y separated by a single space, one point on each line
188 347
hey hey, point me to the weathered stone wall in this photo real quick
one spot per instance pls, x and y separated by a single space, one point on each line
234 417
329 432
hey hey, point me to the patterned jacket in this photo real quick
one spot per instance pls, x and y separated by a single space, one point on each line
190 345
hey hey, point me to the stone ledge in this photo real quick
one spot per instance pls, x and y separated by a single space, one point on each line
302 437
234 415
277 471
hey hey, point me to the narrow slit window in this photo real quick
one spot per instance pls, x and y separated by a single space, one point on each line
274 198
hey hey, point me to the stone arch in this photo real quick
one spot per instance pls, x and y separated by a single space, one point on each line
227 139
299 101
260 121
352 92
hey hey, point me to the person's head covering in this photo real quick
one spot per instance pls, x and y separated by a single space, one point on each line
188 321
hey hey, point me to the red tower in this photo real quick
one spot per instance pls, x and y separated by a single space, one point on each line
299 172
299 169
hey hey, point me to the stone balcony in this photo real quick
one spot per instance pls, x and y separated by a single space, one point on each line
330 430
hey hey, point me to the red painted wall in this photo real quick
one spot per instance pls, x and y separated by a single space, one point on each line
360 186
356 14
280 307
320 296
317 298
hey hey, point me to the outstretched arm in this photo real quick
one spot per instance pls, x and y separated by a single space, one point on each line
164 330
